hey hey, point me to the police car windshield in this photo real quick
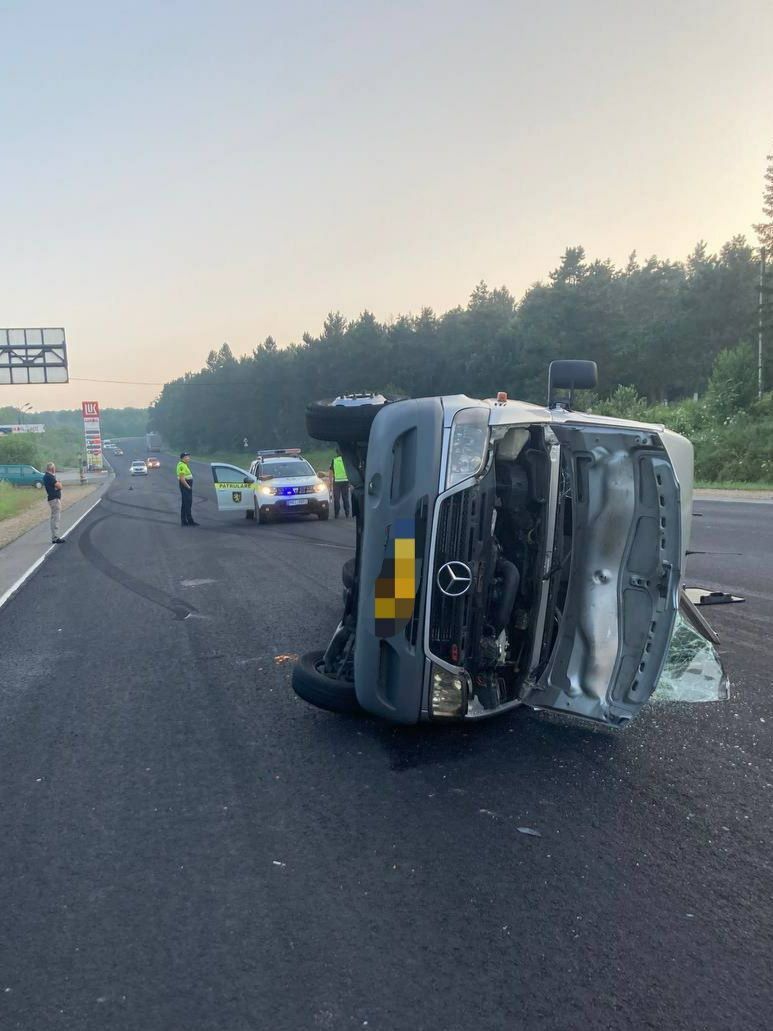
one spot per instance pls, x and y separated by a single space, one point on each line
294 467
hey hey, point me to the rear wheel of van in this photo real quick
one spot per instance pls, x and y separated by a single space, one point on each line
347 573
347 420
312 685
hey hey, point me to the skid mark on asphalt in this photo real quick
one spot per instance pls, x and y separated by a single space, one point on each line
179 608
138 508
296 537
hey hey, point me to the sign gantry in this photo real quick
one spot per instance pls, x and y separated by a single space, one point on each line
31 356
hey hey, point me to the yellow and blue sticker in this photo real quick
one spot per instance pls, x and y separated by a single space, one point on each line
395 594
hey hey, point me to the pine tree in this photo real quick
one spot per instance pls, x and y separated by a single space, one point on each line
764 230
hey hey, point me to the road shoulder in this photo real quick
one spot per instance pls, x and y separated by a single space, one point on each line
720 494
23 555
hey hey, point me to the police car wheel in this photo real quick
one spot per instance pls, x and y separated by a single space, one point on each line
313 686
250 513
263 517
346 425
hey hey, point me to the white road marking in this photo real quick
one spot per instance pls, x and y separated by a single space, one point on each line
5 598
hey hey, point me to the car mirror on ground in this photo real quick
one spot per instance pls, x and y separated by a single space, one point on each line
706 596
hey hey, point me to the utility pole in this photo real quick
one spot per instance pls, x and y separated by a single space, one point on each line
760 323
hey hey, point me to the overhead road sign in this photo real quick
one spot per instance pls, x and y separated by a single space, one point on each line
31 356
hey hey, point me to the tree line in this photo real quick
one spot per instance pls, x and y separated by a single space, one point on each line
656 326
115 422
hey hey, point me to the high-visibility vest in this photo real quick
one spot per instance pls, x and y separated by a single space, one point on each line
339 470
184 470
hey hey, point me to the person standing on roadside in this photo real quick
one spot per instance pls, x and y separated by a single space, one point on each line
54 494
340 484
185 479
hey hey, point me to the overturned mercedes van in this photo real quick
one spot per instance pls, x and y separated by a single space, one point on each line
506 554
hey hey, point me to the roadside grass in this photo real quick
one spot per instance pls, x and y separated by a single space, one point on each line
15 500
731 485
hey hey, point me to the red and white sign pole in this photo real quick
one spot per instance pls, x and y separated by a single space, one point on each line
92 434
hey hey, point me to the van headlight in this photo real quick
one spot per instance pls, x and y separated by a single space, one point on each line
448 692
469 445
319 487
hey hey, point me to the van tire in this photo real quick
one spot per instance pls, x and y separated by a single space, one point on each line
347 573
318 689
340 423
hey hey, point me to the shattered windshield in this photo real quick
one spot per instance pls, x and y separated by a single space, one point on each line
693 671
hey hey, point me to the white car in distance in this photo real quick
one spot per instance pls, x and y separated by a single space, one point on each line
138 468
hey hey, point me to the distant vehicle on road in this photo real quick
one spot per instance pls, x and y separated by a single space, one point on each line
279 483
117 451
153 463
21 475
139 467
153 441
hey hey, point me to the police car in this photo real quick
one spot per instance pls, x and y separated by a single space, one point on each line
278 483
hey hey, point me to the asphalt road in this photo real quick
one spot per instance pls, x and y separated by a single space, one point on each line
184 844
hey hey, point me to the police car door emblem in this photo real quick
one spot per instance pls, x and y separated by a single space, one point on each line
237 496
454 579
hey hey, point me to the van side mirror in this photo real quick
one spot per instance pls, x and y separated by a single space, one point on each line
570 374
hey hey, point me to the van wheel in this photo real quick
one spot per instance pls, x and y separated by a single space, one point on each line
347 573
323 514
347 420
263 517
315 687
249 514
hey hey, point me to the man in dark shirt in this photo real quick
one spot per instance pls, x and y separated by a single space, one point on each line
54 493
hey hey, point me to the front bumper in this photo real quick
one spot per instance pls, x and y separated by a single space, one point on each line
308 505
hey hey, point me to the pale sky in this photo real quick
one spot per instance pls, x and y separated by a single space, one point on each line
176 174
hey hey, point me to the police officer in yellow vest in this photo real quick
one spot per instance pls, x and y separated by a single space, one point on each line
185 480
340 484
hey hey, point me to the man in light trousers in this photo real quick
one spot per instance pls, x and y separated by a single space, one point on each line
54 493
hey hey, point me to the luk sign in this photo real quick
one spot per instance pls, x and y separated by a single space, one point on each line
92 433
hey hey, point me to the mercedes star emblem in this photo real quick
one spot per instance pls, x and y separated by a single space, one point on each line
454 579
